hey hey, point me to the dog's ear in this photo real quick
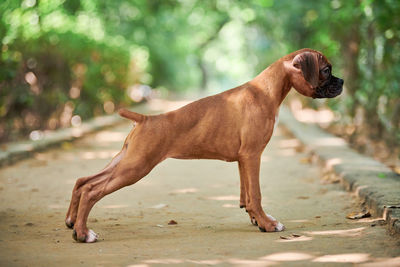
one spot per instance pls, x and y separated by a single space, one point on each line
307 62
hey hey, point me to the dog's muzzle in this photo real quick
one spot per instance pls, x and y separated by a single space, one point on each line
331 89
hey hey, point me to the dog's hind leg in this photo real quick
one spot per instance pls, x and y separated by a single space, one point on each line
76 192
132 167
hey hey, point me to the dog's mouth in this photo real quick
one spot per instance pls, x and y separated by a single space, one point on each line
331 89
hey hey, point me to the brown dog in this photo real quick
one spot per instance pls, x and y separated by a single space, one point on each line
235 125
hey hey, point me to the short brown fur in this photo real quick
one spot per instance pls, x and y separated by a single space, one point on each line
234 125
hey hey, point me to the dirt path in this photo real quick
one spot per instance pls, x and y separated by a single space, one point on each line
201 196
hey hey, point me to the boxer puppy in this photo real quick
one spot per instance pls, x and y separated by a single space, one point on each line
235 125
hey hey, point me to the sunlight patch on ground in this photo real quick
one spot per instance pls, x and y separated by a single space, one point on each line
369 220
242 262
117 206
393 262
224 198
279 258
205 262
288 256
229 206
350 257
298 221
347 232
165 261
185 191
56 206
159 206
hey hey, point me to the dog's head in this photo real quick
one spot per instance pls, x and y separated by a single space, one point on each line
310 73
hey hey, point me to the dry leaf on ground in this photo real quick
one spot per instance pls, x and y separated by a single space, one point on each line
358 215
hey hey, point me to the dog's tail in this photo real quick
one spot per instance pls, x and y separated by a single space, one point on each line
131 115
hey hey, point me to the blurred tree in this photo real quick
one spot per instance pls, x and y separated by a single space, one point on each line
64 58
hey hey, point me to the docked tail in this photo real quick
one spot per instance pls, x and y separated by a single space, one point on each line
131 115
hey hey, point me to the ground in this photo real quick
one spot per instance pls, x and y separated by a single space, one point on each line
202 196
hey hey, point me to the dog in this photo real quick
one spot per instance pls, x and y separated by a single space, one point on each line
234 125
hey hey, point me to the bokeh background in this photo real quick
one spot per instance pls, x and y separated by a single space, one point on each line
64 61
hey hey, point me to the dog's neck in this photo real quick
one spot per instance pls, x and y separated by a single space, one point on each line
274 83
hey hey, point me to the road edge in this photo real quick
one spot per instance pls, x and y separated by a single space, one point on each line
369 179
12 152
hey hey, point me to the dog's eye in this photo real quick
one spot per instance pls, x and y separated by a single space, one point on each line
326 71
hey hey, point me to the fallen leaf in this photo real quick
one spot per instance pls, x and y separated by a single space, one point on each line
358 215
303 197
160 225
172 222
330 178
290 237
306 160
318 217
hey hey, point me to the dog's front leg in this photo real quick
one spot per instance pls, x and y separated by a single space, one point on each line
250 170
243 190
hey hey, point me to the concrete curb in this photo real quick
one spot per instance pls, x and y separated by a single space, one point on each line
372 181
14 151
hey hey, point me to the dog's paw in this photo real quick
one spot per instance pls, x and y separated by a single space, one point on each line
279 227
275 226
69 223
90 237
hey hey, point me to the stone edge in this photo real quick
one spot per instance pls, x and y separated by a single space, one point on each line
15 151
369 179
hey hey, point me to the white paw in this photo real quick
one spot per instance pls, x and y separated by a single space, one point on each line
279 227
91 236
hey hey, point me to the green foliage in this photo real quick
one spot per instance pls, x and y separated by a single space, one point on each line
83 54
55 65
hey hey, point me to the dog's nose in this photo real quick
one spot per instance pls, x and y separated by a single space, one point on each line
341 82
